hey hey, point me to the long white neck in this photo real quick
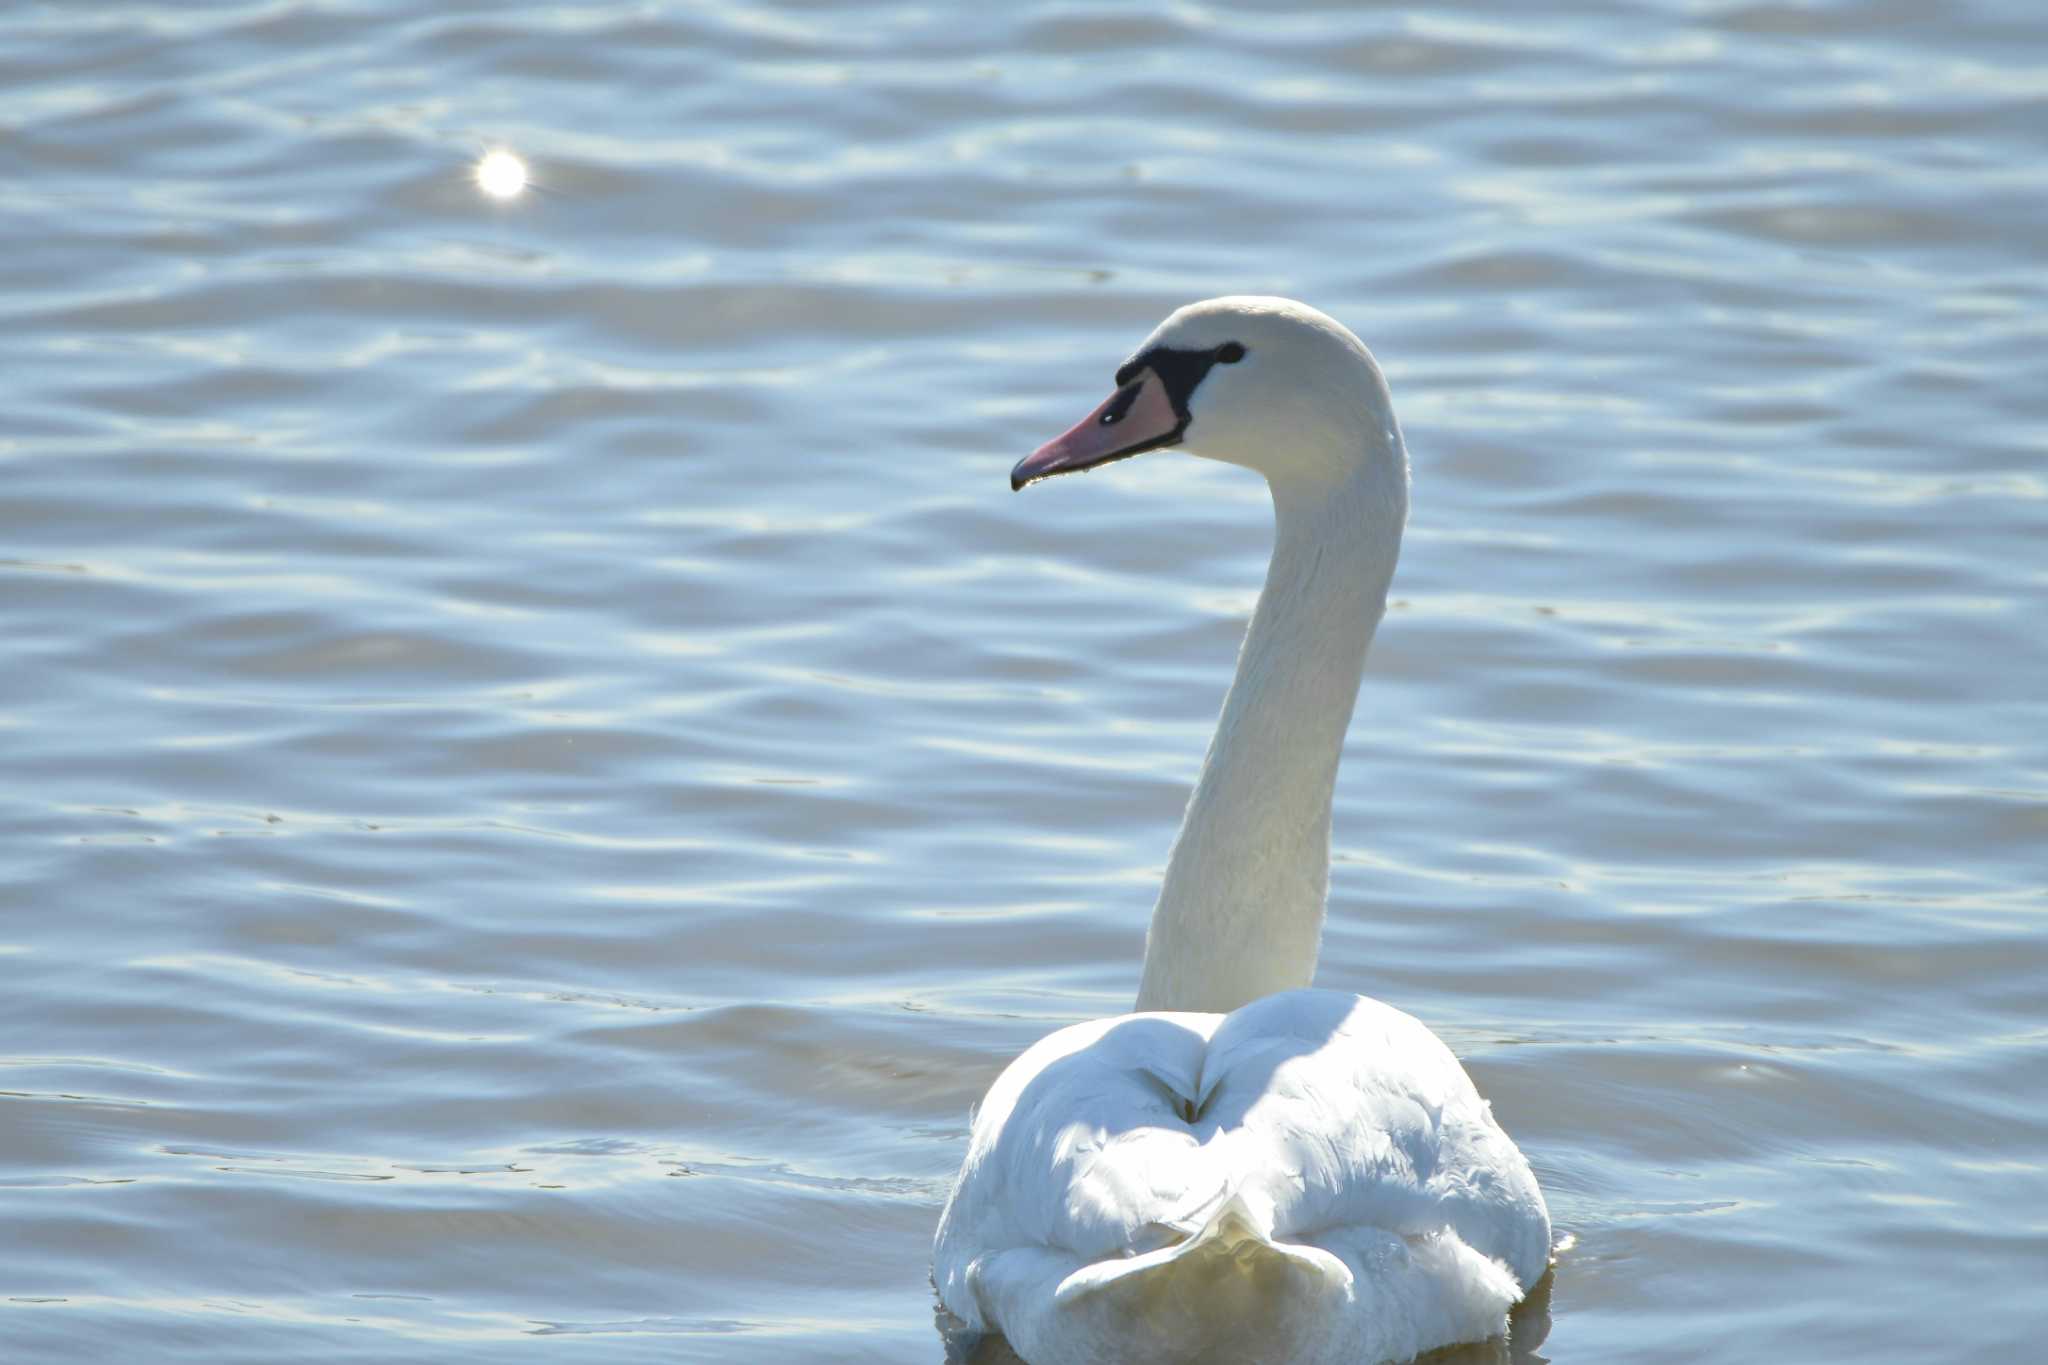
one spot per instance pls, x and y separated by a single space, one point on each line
1240 915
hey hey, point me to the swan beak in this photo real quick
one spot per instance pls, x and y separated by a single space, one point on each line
1136 418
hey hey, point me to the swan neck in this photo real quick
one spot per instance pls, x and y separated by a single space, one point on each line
1240 913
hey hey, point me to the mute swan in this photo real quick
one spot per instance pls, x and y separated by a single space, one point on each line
1244 1169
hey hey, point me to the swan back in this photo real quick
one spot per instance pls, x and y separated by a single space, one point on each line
1310 1178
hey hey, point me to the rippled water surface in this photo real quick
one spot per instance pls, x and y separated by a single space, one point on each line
547 769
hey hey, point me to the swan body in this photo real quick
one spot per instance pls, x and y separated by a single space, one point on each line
1308 1178
1246 1169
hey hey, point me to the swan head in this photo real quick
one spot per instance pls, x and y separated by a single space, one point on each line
1267 383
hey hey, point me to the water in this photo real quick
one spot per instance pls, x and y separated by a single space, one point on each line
547 769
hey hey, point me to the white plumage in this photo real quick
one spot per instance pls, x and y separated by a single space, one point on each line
1249 1170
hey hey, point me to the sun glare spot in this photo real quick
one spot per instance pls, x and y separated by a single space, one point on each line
500 174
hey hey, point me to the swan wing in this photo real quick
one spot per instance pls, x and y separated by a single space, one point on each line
1310 1177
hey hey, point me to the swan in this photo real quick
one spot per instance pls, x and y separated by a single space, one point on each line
1246 1169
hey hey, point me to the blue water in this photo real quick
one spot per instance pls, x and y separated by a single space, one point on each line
548 769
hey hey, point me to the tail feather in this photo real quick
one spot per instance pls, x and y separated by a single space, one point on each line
1228 1292
1231 1233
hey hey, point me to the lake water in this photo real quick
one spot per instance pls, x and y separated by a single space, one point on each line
547 769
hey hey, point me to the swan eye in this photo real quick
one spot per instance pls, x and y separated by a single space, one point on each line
1229 353
1120 405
